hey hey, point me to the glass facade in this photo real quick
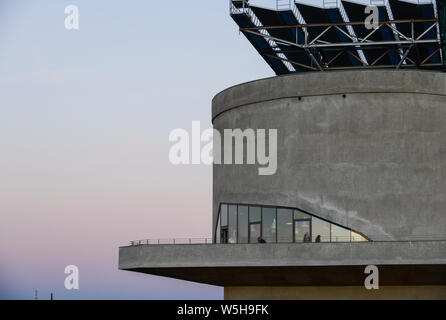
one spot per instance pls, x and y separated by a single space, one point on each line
254 232
242 226
217 239
224 223
356 237
267 224
321 230
284 225
339 234
302 230
255 214
232 224
224 215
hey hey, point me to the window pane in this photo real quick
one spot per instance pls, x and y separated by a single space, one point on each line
217 232
356 237
339 234
284 225
320 230
269 224
300 215
254 214
232 224
224 215
254 232
224 235
301 229
242 224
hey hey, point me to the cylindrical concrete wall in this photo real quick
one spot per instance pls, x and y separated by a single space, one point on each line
364 149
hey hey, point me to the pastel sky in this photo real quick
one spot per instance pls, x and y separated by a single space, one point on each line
84 123
85 118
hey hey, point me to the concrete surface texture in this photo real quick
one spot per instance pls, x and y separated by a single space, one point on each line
364 149
283 254
288 264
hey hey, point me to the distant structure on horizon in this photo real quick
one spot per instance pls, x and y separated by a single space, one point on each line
361 175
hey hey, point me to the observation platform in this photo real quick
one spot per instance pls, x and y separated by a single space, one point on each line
291 264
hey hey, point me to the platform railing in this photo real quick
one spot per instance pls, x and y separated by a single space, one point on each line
377 2
238 7
330 3
284 4
245 9
171 241
324 239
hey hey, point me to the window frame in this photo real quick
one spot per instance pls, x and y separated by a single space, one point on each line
294 228
261 206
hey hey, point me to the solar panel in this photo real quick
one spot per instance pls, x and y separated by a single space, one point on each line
376 56
301 37
441 8
403 11
272 17
260 44
326 16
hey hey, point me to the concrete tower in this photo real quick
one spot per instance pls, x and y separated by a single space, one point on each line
358 152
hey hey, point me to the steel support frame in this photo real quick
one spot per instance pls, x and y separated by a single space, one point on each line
406 43
441 9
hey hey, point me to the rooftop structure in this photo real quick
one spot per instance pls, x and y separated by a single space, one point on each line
296 37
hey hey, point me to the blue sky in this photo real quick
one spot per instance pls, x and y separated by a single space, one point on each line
85 117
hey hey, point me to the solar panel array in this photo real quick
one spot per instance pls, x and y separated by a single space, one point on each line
297 37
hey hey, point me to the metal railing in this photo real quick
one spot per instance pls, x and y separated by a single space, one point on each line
377 3
330 3
238 9
171 241
324 239
284 4
245 9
